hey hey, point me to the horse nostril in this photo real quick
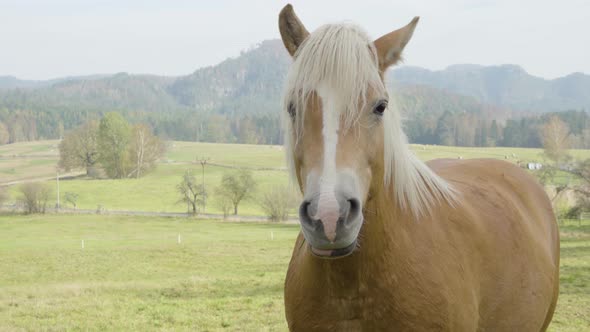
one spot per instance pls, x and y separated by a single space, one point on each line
304 215
355 209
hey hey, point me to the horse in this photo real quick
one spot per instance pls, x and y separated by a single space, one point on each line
388 242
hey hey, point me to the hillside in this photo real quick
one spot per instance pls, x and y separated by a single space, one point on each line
119 92
11 82
238 101
252 83
504 86
249 83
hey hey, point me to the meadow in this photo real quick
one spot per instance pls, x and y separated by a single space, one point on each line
28 160
156 192
133 274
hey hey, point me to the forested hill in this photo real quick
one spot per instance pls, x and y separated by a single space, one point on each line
238 100
250 83
506 86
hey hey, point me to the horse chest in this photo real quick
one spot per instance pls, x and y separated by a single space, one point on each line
343 304
361 300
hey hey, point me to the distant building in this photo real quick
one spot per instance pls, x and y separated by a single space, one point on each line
534 166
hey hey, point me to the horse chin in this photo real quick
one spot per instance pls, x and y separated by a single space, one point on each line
334 253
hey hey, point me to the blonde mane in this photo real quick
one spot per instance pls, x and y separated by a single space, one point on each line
343 56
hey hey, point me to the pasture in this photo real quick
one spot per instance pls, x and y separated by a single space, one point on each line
132 274
156 192
28 160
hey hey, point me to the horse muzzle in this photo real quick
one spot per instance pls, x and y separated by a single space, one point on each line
331 224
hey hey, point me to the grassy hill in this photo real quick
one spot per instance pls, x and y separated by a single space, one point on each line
156 192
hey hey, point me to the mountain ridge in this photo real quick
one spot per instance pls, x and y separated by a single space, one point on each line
252 83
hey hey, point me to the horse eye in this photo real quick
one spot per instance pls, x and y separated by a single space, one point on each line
380 107
291 109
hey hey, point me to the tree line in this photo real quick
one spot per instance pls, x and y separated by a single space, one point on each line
478 130
200 126
451 127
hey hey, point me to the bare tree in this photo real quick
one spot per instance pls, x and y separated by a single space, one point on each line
277 202
145 149
237 187
71 198
555 135
34 197
192 193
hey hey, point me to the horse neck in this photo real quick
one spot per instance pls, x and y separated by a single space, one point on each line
384 222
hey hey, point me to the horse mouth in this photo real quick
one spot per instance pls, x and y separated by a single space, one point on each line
334 253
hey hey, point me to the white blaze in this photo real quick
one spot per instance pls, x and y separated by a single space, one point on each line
328 208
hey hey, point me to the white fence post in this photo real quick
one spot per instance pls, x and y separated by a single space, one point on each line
179 239
82 244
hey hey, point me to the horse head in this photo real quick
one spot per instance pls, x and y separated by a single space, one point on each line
336 107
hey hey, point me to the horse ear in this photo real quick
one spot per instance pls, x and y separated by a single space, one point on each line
292 30
390 46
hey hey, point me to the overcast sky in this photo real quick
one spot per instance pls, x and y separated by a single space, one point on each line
41 39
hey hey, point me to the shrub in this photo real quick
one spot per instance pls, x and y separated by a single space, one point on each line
34 197
71 198
236 187
277 202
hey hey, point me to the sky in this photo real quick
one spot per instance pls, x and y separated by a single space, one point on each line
43 39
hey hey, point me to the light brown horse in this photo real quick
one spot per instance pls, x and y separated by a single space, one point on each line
389 243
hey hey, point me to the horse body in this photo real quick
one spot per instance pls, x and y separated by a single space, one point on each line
388 242
490 263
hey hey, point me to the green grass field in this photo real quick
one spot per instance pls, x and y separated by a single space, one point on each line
157 191
134 275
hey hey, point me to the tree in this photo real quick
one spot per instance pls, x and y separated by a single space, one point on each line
144 150
579 185
237 187
494 133
113 140
555 136
277 202
445 129
34 197
224 204
4 134
192 193
71 198
218 129
79 148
